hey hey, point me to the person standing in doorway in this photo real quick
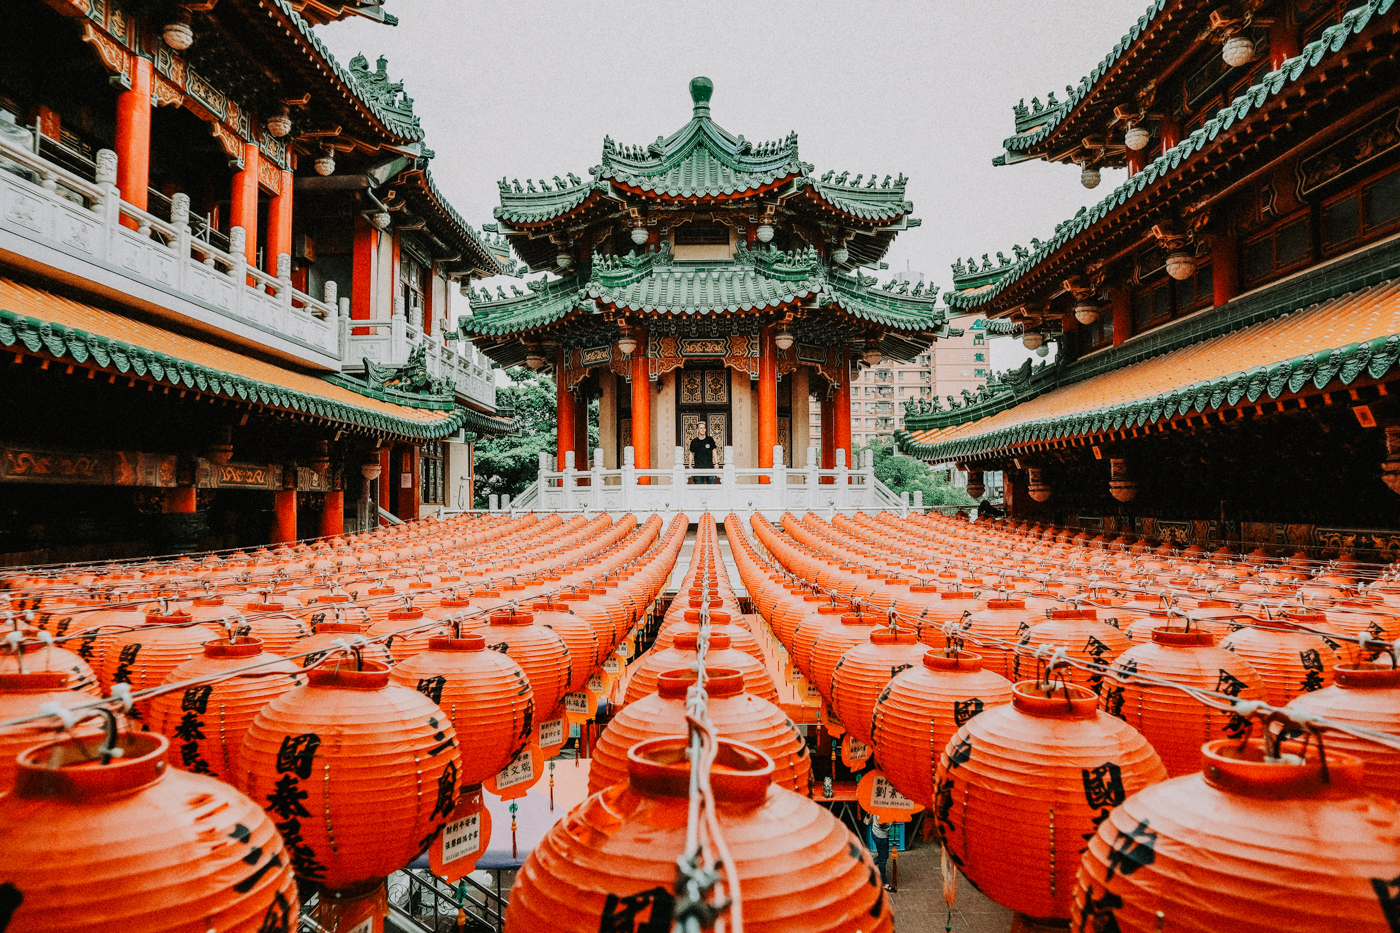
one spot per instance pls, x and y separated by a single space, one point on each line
702 452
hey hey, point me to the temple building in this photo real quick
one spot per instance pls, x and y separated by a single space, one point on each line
704 277
225 284
1227 319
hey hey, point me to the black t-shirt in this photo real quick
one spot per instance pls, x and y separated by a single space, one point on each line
703 450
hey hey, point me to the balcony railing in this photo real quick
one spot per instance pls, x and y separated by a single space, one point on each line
390 341
53 207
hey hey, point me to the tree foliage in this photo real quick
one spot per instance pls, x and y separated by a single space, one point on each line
505 466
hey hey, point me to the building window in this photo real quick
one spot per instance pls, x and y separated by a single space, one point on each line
1278 250
1367 211
413 282
430 468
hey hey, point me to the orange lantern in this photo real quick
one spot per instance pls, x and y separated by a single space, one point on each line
359 773
539 651
144 656
921 708
1175 723
207 722
23 695
36 657
735 714
855 628
1289 660
407 631
329 636
681 655
992 629
273 626
1254 844
190 846
1022 785
584 652
864 671
614 857
1083 637
1368 696
486 695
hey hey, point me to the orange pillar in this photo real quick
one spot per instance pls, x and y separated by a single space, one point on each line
279 225
1224 268
243 209
333 515
1122 315
841 413
641 407
564 413
134 137
180 499
388 484
284 523
767 399
365 258
1283 41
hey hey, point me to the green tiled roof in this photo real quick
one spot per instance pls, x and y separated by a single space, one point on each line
1330 43
1026 140
651 283
701 160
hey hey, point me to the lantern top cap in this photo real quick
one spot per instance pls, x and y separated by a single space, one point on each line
243 647
1247 770
372 675
1366 676
1055 699
741 773
719 682
964 661
66 769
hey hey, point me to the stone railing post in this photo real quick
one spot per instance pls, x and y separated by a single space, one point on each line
629 476
237 245
904 501
730 478
842 479
678 478
596 485
567 482
919 500
493 502
109 205
505 503
780 474
398 340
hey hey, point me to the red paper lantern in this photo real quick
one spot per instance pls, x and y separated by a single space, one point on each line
919 711
486 695
990 630
539 651
1368 696
329 635
615 855
1289 660
864 672
1249 846
735 714
24 695
585 654
206 723
35 657
1022 785
158 849
1082 636
854 629
273 626
144 656
720 621
359 773
407 631
1175 723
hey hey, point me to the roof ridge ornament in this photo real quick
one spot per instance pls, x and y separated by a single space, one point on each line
701 89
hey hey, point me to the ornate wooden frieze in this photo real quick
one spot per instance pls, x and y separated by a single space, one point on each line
98 468
1359 147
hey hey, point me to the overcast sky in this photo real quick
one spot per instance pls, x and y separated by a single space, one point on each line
528 89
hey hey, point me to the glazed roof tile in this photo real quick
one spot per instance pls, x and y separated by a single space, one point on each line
1337 340
65 328
1330 43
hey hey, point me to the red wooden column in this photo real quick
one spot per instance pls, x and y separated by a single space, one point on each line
134 137
408 495
180 499
641 407
284 522
581 450
364 260
1137 161
841 412
279 225
333 515
1122 315
564 407
243 209
1224 268
1283 41
1170 133
767 398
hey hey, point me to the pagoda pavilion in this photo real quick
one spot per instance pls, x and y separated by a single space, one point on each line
703 277
1227 319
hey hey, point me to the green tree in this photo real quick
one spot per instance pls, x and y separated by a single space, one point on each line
505 466
906 474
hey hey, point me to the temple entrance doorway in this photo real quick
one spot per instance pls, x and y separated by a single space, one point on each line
703 395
